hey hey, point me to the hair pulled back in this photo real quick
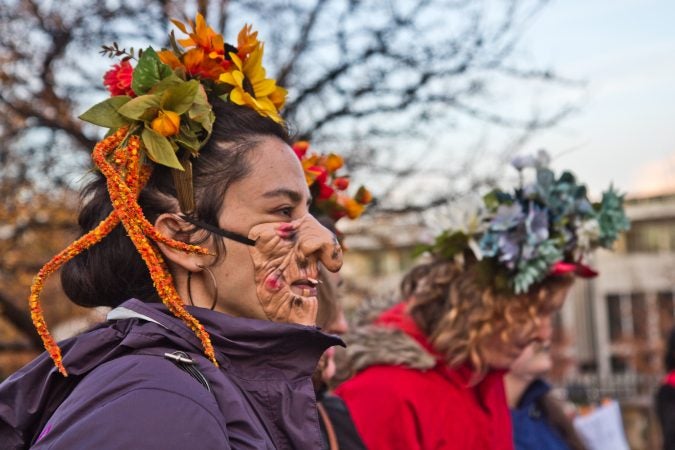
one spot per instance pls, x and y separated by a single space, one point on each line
457 313
112 271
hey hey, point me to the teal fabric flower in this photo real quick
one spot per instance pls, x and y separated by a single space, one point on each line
529 232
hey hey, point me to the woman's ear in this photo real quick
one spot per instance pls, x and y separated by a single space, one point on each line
172 226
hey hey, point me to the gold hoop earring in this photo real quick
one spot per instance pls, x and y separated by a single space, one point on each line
213 280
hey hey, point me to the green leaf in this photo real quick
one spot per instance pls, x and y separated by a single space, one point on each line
105 114
453 244
137 108
166 83
491 200
420 249
159 149
567 177
180 98
188 139
202 113
149 71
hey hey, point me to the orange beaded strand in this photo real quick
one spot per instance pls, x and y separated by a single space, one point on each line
89 239
137 228
126 176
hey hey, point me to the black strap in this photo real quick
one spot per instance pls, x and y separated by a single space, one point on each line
187 364
219 231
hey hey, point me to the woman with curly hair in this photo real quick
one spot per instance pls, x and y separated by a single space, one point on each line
429 371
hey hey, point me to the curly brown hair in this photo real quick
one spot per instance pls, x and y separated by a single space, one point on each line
458 314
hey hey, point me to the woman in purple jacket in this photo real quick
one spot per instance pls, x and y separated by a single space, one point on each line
209 264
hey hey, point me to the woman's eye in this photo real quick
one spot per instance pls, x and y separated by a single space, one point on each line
287 212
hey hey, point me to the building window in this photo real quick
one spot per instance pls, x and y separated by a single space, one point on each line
614 317
638 315
666 312
376 266
651 237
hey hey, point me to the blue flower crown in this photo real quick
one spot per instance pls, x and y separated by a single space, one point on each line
543 228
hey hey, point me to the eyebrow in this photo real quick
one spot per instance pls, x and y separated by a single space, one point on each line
294 196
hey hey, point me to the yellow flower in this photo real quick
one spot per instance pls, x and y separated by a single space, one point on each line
167 123
250 87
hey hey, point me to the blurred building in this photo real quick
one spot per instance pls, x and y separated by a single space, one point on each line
379 250
621 318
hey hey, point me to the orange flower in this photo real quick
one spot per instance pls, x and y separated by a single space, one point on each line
202 36
194 63
363 196
247 41
170 59
354 209
167 123
278 97
332 162
206 56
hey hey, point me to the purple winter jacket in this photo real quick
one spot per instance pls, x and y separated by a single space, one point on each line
122 393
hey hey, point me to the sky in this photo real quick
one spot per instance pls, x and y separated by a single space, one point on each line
624 50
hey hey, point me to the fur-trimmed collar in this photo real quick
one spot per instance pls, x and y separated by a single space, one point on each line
389 338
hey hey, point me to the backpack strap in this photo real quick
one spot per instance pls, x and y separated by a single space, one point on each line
183 361
330 431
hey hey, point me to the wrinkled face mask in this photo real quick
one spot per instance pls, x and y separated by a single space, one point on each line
285 260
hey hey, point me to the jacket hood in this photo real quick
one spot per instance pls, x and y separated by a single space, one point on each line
252 349
392 338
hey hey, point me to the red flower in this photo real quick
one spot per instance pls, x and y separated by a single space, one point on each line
325 191
561 268
341 183
320 174
585 271
579 269
118 79
300 148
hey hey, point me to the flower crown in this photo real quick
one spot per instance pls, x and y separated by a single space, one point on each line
541 229
159 113
329 197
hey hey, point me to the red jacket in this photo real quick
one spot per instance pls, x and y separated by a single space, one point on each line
408 407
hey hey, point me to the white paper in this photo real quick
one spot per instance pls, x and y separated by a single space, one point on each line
602 429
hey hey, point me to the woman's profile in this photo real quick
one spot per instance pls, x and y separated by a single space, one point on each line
196 232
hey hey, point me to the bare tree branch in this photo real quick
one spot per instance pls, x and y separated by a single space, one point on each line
21 320
301 43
